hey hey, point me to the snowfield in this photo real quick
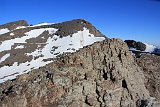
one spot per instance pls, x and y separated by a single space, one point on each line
53 47
6 45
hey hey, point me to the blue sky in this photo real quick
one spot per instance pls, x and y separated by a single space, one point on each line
125 19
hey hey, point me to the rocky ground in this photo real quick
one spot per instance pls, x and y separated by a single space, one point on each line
150 64
101 75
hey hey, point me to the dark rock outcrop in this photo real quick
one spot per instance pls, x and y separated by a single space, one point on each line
140 46
131 43
137 45
101 75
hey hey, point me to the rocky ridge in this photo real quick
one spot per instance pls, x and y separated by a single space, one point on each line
99 75
13 25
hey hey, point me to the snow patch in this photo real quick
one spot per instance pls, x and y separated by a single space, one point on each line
21 27
3 31
6 45
10 72
19 47
4 57
11 34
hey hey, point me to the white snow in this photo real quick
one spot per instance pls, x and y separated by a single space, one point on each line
65 44
133 49
6 45
8 71
19 47
11 34
78 40
3 31
4 57
21 27
149 48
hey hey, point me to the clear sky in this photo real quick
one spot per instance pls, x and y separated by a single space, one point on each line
125 19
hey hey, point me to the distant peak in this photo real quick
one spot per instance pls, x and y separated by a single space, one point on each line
75 25
13 25
18 22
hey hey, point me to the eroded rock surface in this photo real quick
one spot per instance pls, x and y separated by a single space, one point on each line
150 64
101 75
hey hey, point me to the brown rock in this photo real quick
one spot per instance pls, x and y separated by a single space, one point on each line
101 75
14 25
150 64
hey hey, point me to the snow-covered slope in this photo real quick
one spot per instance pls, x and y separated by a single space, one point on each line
38 47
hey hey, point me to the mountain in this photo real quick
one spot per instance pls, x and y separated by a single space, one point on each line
12 26
139 47
72 64
25 47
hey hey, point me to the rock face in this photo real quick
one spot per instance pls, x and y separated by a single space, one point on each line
150 64
140 46
131 43
101 75
137 45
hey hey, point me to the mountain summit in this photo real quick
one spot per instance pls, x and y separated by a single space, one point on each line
24 47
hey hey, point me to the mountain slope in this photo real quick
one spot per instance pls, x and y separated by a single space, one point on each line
31 47
101 75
